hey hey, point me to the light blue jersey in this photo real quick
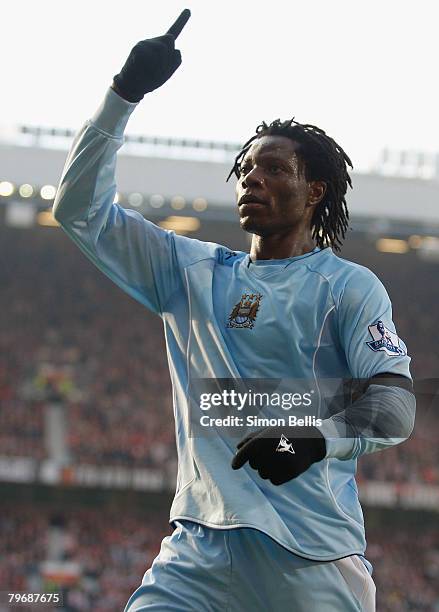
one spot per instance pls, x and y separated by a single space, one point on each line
311 317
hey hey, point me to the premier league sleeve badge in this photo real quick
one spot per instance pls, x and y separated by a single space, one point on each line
384 340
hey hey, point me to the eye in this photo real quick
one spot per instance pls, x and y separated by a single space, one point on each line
243 170
275 169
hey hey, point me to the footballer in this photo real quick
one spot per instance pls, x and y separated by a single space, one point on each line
270 521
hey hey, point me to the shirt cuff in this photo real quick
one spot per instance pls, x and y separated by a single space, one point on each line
113 114
338 446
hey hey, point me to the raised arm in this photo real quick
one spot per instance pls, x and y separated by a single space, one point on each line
136 254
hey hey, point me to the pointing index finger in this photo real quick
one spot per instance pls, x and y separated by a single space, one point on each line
178 25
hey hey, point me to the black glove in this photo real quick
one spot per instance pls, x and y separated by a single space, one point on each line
151 63
280 455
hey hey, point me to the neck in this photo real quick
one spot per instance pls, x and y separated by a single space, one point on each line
280 246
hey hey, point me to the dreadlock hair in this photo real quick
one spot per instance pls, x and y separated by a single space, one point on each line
323 160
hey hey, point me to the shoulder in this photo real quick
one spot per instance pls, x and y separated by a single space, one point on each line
349 281
351 284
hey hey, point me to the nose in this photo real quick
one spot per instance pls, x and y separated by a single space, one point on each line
253 177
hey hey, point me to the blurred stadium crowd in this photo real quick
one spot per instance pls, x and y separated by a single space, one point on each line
68 335
104 555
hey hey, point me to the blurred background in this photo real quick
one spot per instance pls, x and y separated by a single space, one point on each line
87 453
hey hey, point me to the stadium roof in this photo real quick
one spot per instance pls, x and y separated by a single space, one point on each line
194 170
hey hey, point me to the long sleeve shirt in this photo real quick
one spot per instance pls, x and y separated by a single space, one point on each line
312 320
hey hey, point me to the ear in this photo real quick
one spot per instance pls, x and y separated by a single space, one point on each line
316 193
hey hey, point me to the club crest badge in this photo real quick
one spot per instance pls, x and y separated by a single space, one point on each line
244 312
384 340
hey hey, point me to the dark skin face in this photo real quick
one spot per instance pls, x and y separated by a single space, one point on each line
278 200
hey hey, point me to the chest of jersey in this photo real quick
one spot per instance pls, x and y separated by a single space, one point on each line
273 319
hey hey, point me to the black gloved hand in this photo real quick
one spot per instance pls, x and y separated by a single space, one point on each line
280 455
151 63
